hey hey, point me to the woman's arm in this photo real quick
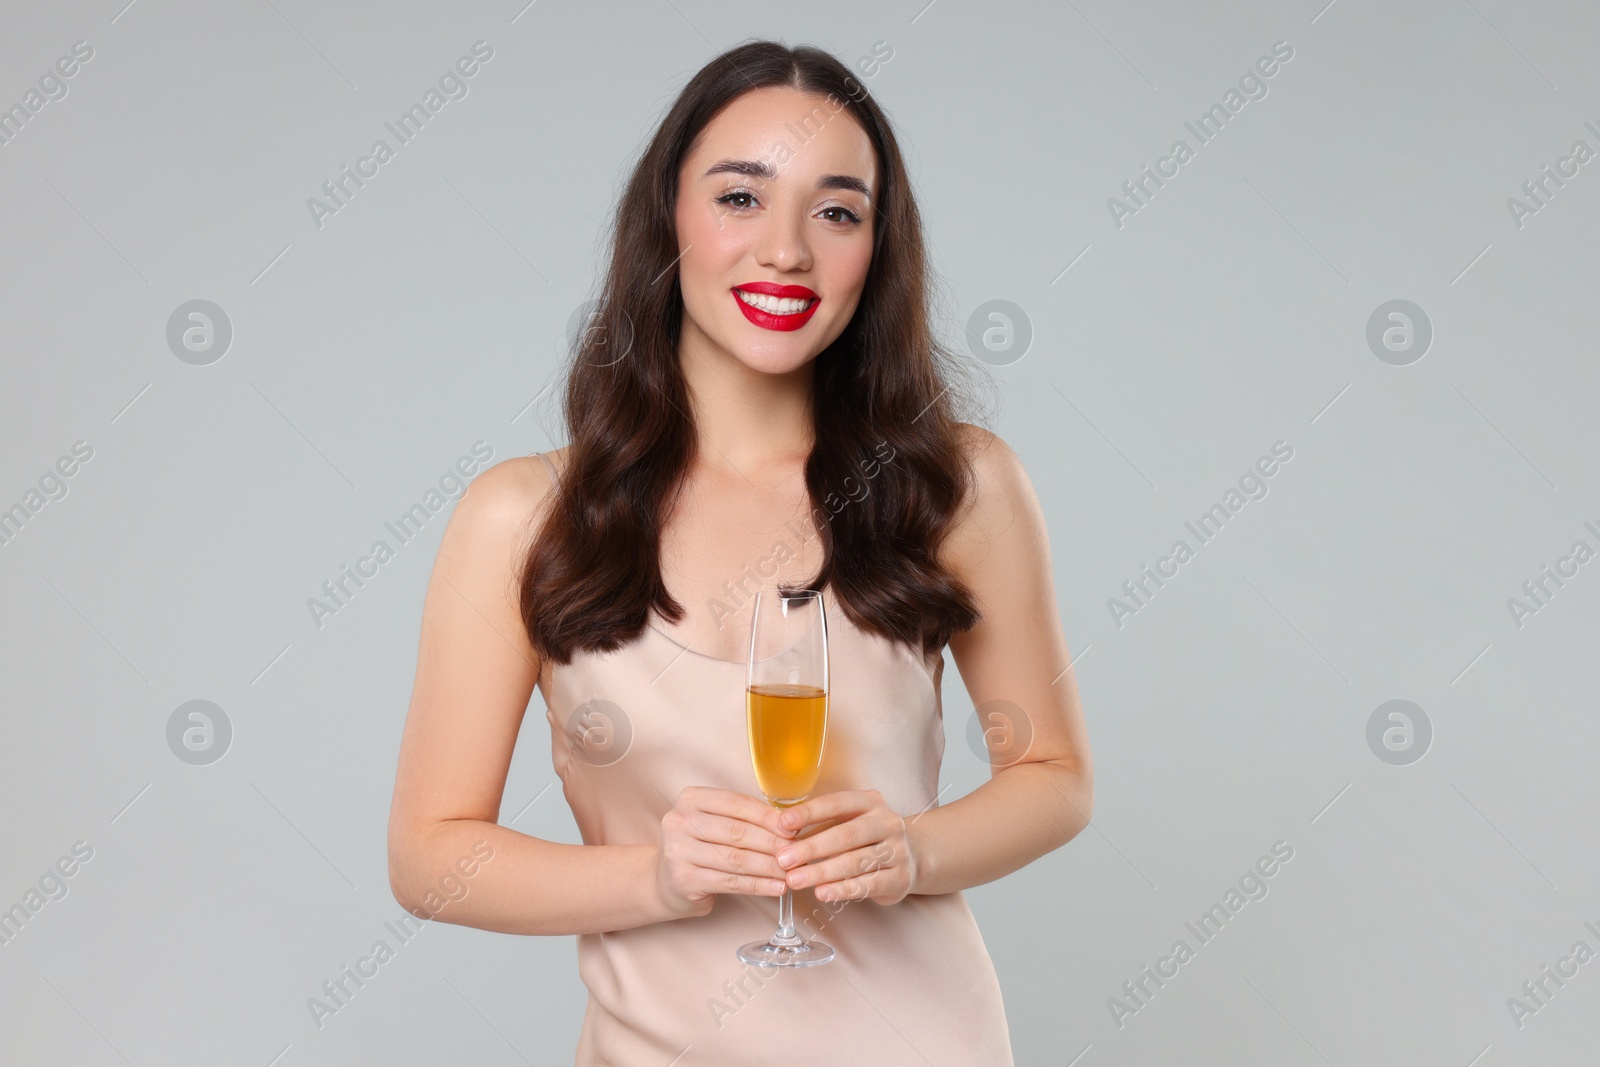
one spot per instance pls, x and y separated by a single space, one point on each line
1040 793
1014 666
448 857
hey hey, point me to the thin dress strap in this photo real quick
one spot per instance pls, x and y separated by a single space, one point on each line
549 466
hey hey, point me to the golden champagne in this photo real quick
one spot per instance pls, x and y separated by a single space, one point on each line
786 715
787 725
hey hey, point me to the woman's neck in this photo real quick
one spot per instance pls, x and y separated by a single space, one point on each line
747 420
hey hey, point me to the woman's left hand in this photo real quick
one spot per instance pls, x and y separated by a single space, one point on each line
865 855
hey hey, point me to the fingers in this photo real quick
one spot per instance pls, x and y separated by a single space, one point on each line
718 849
723 859
722 844
884 886
854 864
698 871
692 869
739 807
846 803
837 839
708 880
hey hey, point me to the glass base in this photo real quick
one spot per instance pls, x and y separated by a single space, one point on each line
770 953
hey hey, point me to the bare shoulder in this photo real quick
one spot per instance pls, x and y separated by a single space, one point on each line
1001 501
504 502
982 446
522 474
517 485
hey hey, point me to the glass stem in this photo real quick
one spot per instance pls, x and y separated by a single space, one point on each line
786 934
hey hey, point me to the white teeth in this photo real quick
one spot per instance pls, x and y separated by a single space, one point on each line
774 305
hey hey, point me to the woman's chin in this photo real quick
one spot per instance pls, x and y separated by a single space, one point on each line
776 362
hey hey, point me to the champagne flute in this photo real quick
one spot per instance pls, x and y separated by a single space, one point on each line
786 707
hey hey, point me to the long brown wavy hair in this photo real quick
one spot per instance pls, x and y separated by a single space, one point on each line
884 390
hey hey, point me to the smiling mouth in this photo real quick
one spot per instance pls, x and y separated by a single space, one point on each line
776 305
772 312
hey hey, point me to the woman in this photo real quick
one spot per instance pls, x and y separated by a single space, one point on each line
760 402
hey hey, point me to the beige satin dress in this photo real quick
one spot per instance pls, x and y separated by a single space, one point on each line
910 984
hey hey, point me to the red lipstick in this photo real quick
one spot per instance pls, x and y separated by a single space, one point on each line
765 319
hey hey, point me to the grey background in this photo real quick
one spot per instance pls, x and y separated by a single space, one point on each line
1229 313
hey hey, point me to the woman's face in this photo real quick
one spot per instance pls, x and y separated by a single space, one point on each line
777 194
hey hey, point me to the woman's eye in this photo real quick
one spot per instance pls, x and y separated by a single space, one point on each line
742 199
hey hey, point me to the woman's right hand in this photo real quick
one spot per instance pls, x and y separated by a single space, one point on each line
718 841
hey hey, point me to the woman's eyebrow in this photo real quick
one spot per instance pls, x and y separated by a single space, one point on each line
757 168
